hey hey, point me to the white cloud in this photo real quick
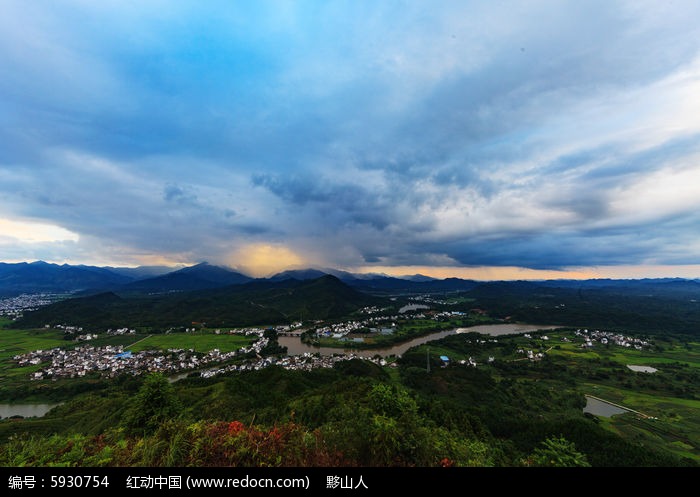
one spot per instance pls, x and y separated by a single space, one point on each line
23 231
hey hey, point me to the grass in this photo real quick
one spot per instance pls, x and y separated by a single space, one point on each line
672 351
200 343
17 342
394 374
437 351
677 428
13 342
5 321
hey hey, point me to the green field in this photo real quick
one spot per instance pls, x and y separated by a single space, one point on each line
16 342
13 342
677 428
672 394
200 343
672 352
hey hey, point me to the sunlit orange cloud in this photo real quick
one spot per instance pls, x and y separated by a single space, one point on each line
262 259
157 260
519 273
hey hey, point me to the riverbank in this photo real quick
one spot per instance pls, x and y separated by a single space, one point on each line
295 346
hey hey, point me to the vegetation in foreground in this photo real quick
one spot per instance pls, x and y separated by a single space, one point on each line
356 414
506 412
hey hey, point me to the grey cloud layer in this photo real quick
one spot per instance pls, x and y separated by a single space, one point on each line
518 134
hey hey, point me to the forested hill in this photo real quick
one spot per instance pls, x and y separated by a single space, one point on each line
650 306
254 303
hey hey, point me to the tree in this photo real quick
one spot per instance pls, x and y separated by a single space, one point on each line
154 404
557 452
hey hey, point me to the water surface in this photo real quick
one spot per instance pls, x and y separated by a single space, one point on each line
642 369
602 408
296 347
25 410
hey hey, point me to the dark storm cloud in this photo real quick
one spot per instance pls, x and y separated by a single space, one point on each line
176 194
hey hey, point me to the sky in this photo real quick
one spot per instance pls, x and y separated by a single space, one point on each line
489 139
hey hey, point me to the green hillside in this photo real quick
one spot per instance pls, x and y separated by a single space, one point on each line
255 303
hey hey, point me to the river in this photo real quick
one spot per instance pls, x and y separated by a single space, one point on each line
25 410
296 347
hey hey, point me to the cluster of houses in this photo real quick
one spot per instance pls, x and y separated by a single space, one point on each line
589 339
384 325
447 314
241 331
112 360
14 307
531 354
610 337
67 329
340 330
121 331
468 362
370 310
430 299
303 362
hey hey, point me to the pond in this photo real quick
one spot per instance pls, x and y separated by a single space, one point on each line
295 346
642 369
413 307
599 407
25 410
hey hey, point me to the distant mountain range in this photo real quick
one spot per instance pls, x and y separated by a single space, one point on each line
222 297
37 277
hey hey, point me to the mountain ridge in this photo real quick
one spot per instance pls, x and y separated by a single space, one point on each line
44 277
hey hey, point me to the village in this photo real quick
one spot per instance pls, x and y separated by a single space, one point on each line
589 340
303 362
383 325
14 307
607 337
110 361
